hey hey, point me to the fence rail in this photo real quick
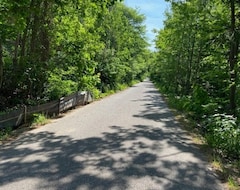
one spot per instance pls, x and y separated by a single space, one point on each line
17 117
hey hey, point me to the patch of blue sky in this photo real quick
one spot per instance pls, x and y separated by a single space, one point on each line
154 11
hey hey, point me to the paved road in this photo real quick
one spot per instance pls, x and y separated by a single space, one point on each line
128 141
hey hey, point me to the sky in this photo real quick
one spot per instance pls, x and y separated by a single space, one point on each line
154 12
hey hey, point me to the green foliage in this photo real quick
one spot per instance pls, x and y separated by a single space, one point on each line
196 67
39 119
96 93
60 85
196 104
223 133
178 102
5 133
124 57
233 184
49 49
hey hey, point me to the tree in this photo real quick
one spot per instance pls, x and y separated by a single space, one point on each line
196 65
192 52
50 48
233 57
122 32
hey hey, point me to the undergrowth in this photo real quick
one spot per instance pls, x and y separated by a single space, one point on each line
221 132
5 133
39 119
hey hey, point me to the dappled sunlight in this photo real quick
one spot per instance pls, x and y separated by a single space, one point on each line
109 162
149 151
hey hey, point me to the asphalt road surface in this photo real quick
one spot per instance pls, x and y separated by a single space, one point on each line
128 141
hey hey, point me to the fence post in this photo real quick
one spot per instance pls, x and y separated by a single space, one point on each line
89 97
61 100
76 103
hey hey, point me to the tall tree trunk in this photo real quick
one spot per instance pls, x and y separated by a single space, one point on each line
34 38
1 64
23 40
44 34
15 54
233 58
190 64
25 35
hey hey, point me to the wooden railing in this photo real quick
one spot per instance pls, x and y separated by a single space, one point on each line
20 116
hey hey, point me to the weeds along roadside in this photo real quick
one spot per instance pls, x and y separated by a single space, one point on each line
217 136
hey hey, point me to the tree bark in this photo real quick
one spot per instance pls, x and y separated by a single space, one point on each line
15 54
192 40
44 34
1 64
233 58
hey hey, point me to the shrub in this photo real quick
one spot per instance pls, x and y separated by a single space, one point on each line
59 85
223 134
39 119
5 133
95 93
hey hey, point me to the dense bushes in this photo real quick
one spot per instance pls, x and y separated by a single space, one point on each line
223 134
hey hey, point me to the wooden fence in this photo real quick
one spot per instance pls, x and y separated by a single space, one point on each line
20 116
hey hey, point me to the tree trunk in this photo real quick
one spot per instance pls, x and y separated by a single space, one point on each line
15 54
25 36
190 64
44 34
1 64
233 59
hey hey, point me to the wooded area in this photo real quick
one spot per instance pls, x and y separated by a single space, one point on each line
52 48
197 66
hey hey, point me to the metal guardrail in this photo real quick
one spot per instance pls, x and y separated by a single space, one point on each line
17 117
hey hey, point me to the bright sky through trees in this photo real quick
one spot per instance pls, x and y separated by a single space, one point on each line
154 12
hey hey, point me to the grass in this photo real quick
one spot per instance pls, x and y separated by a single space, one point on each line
233 184
5 133
39 120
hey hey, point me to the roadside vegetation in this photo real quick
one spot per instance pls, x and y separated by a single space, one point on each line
50 49
5 133
38 120
196 66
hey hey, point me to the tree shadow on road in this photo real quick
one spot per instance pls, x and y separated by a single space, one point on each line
107 162
123 158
